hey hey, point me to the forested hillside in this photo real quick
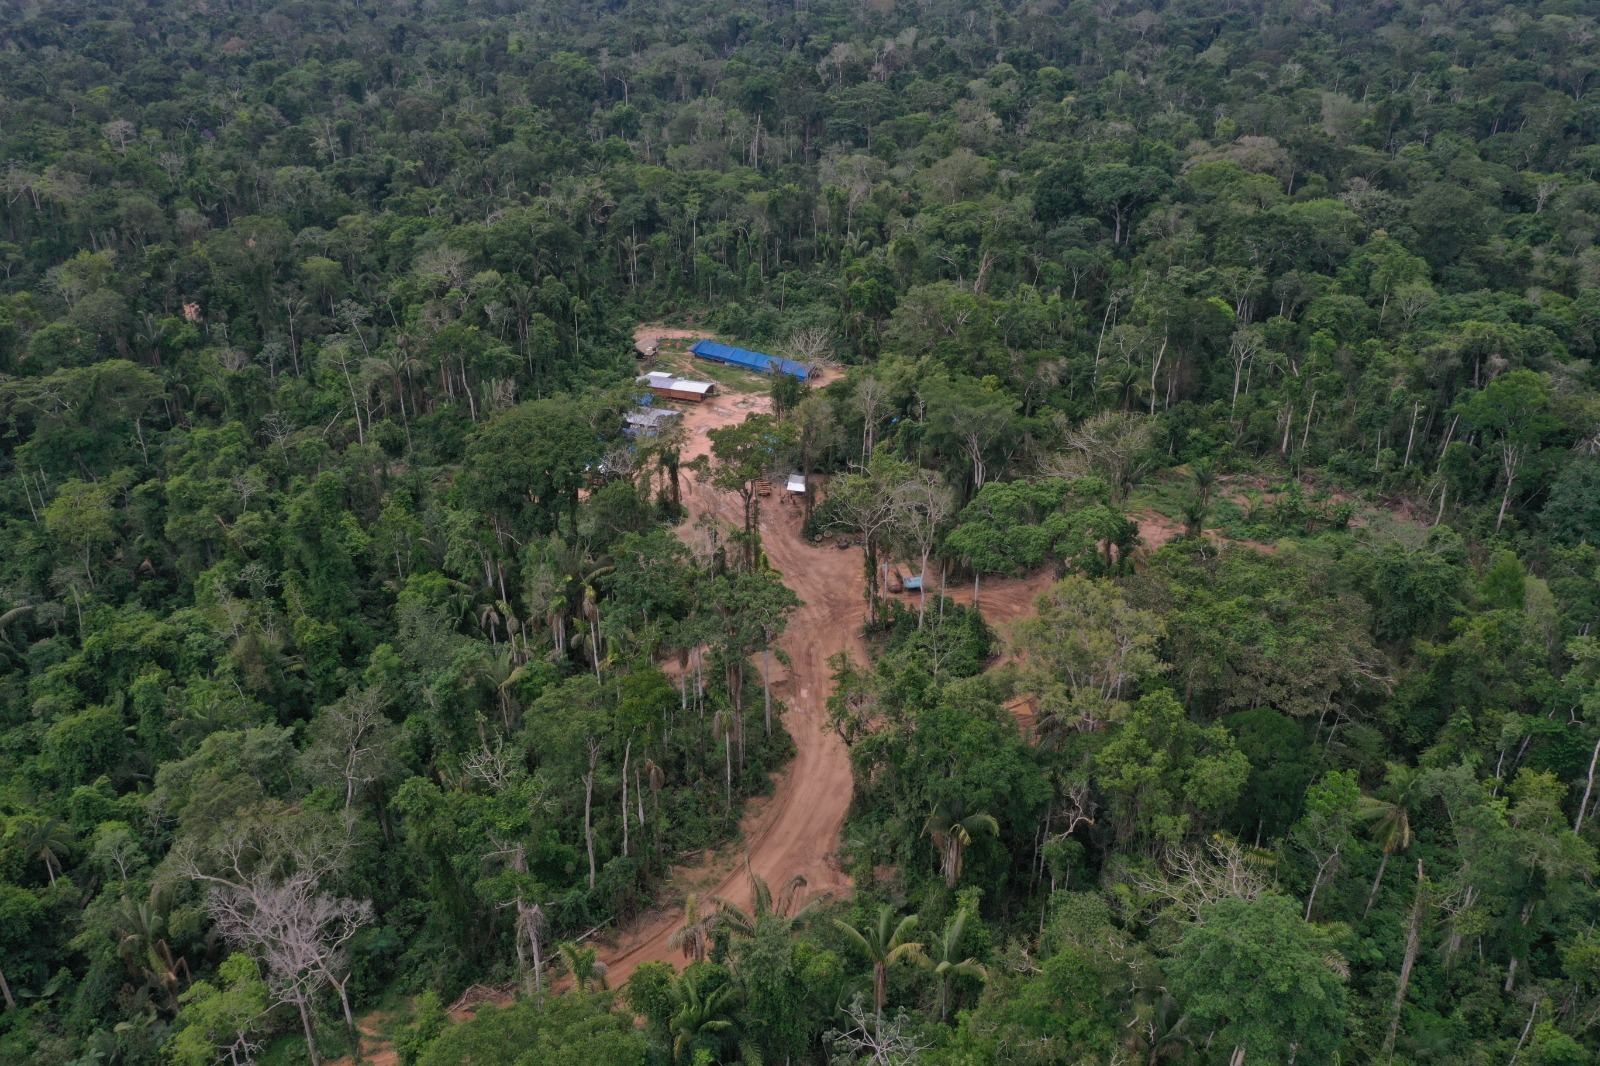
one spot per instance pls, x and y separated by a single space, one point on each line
355 653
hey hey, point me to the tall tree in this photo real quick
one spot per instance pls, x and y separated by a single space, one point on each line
1391 819
951 829
1515 409
741 457
266 879
1269 985
884 942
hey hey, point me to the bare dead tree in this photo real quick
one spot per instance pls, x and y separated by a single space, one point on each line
808 347
1225 869
872 394
493 766
352 743
1242 351
872 1038
922 503
266 878
1112 445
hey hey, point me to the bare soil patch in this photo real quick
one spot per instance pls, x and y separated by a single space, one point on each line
794 831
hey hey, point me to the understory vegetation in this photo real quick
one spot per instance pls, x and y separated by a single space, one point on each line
354 651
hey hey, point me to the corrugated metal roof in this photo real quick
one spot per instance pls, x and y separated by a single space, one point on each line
727 353
658 379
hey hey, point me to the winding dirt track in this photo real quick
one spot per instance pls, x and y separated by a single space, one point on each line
795 831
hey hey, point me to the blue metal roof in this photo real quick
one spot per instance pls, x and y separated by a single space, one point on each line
726 353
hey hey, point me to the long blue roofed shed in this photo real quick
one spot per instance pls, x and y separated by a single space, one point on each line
768 364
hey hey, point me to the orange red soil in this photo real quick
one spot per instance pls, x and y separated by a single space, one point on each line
795 831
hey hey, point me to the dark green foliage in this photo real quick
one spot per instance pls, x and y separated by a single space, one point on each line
1572 515
314 498
563 1030
524 468
1263 980
1281 766
954 636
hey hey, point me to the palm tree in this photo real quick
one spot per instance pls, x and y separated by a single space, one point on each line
700 1021
1125 381
1391 819
561 586
591 614
1205 478
692 938
1195 510
585 966
8 647
767 911
47 839
142 945
398 363
884 947
495 670
723 722
944 959
489 622
1163 1033
951 829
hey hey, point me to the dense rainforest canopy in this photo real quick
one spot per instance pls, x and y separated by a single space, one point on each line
354 653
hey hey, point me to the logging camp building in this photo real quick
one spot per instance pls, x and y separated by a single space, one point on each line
674 388
757 361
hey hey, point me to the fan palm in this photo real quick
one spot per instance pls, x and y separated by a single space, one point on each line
765 910
884 942
693 937
700 1021
944 959
47 839
951 829
1391 819
1205 479
1162 1033
8 647
585 966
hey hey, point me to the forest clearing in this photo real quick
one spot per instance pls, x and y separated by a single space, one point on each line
794 832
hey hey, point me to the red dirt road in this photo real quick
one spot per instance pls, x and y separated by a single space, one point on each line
795 831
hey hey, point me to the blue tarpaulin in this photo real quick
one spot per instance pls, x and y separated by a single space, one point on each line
726 353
